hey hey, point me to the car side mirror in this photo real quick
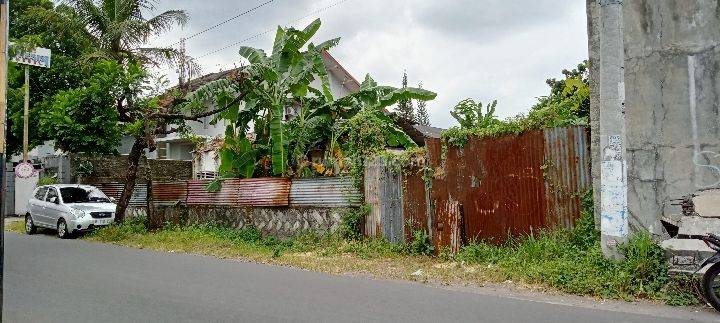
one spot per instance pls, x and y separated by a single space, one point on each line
54 200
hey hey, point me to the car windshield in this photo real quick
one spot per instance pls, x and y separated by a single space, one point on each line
83 195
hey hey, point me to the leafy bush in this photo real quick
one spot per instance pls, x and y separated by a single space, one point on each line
567 105
352 222
420 243
572 261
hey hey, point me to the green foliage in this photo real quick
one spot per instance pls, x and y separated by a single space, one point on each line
470 114
47 180
421 116
282 81
567 105
572 261
85 119
352 222
421 243
405 107
121 231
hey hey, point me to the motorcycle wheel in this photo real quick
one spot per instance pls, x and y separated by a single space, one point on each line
711 286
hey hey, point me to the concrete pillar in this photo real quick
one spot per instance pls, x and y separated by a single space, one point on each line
613 168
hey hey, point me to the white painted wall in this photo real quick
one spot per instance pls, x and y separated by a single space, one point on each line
23 190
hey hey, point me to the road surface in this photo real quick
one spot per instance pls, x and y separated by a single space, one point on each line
52 280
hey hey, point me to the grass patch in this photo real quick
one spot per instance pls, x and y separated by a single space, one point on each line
15 226
572 261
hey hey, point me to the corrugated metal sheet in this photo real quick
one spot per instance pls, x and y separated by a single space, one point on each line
114 189
567 172
372 197
415 201
324 192
266 191
164 194
383 191
508 185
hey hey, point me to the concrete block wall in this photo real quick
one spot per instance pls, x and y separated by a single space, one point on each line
281 222
672 102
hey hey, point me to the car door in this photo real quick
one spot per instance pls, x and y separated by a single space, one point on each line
53 209
36 205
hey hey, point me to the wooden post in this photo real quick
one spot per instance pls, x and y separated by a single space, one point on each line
26 114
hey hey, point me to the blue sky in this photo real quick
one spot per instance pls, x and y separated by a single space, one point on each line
482 49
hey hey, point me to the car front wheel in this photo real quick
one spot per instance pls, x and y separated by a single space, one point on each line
62 230
30 227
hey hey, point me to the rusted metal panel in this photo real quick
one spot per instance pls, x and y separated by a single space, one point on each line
114 190
165 194
324 192
415 200
566 172
266 191
449 228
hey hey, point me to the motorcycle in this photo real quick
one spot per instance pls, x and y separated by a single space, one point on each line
710 285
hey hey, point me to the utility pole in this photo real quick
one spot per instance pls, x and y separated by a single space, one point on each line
614 226
4 26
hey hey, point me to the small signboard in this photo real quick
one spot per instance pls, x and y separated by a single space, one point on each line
38 57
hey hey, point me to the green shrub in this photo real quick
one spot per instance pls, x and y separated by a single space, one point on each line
421 243
352 222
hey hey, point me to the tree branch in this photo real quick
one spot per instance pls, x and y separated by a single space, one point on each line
195 117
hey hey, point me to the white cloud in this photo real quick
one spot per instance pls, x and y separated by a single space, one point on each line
489 49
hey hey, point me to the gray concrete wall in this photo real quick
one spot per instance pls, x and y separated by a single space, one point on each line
281 222
672 102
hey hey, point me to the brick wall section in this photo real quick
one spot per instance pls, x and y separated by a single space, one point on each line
108 168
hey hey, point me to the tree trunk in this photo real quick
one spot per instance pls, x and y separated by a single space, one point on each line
133 164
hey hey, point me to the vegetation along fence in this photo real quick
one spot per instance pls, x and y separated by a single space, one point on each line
277 206
488 189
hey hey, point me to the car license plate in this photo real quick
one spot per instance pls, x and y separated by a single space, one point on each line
102 222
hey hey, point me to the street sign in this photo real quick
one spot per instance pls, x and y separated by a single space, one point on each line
38 57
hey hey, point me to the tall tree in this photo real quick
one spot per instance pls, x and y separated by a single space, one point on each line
29 27
118 30
405 106
421 116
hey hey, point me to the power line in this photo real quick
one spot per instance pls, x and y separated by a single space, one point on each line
225 21
268 30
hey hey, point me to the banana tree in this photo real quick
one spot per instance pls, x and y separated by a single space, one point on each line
281 81
374 99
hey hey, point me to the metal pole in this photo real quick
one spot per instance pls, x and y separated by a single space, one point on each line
26 114
4 26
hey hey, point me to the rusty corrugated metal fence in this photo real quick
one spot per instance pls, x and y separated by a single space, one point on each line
265 191
492 187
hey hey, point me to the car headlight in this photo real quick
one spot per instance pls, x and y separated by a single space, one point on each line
78 213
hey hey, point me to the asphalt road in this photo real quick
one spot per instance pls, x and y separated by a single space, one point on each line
52 280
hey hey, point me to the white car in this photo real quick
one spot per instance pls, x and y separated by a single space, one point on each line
69 209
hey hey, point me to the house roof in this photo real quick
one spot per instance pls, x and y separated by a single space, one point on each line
331 64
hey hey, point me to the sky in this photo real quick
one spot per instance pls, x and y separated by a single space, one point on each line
479 49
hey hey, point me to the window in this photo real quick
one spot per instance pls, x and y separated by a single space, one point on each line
40 193
51 193
83 195
162 151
